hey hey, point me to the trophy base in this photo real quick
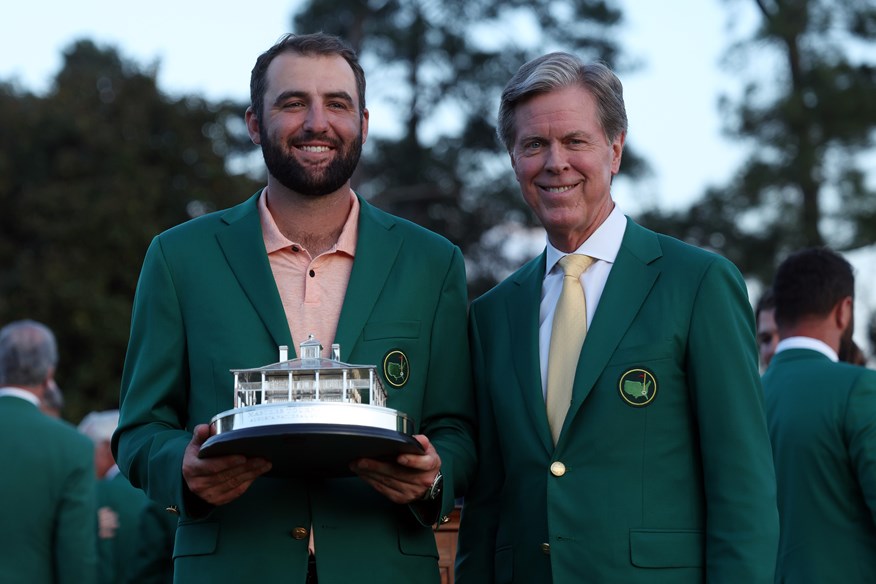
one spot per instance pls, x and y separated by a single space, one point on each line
311 450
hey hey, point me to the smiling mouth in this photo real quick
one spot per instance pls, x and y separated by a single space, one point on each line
314 148
560 189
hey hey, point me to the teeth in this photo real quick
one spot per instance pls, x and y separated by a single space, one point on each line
558 189
315 148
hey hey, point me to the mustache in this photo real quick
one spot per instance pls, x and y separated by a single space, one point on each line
304 137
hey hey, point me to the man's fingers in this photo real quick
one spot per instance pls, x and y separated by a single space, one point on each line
221 479
406 479
429 460
226 485
200 435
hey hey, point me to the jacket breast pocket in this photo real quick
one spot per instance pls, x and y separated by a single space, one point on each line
656 351
667 548
403 329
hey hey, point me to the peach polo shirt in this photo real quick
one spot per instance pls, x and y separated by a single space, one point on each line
312 289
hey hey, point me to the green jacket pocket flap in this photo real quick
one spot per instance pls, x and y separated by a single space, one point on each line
402 329
196 539
662 548
417 541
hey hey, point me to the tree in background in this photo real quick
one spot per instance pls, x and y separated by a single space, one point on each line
808 111
89 173
439 68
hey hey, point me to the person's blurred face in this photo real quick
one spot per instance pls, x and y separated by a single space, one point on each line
767 335
564 164
312 130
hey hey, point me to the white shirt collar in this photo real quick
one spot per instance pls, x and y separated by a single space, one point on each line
22 393
807 343
603 244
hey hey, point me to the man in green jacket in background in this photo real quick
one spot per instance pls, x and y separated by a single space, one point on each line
48 520
822 421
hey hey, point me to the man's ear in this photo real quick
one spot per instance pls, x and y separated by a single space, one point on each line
843 313
252 126
50 377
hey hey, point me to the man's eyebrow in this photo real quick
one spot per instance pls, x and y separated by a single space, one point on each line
342 95
577 134
288 95
529 137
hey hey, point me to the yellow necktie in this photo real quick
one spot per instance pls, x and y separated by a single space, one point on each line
567 338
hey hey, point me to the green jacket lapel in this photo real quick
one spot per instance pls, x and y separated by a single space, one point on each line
629 283
243 244
377 246
525 359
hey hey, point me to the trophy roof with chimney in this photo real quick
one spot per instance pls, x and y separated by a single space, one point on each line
308 378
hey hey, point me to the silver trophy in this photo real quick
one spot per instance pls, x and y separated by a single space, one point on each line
309 416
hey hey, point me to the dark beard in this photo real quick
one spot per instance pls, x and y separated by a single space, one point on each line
295 177
847 345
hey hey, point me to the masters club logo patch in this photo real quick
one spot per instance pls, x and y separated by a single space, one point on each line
396 369
637 387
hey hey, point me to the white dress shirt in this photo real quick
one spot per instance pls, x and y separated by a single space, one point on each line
22 393
602 246
807 343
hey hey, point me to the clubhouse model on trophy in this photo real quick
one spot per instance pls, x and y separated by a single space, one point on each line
307 416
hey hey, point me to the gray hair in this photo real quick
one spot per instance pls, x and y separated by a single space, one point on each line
28 353
558 71
99 426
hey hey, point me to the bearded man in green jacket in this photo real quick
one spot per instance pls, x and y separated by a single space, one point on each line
304 255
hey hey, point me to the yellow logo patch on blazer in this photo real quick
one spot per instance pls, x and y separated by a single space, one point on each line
396 369
637 387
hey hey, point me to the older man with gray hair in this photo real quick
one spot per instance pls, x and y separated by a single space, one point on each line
48 522
639 453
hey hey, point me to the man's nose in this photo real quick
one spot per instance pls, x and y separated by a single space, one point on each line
557 159
316 120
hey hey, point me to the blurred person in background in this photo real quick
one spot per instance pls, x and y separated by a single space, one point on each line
822 420
123 544
767 333
48 527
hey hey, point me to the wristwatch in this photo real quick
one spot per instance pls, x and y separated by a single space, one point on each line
435 489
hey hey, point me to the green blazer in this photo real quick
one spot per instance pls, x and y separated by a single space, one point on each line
153 561
207 302
662 472
118 550
48 519
822 421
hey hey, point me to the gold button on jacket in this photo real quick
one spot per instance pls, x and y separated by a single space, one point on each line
558 469
546 548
